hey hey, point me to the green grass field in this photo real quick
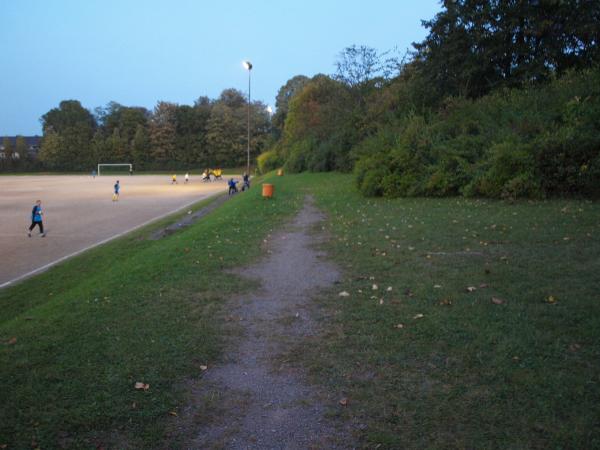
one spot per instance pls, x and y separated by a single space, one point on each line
424 365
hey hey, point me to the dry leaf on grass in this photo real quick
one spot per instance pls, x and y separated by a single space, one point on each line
483 286
12 341
551 299
203 368
471 289
446 302
389 289
418 316
142 386
497 301
375 287
344 401
574 347
344 294
400 325
173 413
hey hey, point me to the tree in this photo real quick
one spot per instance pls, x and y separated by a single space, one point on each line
75 126
475 46
286 92
163 134
21 147
7 157
51 150
140 149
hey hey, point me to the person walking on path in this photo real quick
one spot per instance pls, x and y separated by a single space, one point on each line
174 179
187 177
36 218
116 187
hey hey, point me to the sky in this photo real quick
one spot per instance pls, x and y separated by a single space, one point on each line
139 52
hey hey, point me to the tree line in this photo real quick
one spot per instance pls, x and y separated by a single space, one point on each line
501 99
209 133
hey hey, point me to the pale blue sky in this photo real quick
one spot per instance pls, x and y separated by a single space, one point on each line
137 52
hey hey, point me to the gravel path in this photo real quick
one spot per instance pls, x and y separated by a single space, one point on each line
253 400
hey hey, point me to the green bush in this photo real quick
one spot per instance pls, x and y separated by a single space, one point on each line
268 161
530 142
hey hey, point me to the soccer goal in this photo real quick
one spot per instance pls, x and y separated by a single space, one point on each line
113 168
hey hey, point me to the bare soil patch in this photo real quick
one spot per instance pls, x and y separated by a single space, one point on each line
253 399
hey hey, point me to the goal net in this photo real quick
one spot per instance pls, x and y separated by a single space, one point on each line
115 168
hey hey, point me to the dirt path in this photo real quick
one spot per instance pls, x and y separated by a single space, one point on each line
255 400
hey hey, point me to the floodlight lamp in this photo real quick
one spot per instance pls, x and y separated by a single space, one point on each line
247 65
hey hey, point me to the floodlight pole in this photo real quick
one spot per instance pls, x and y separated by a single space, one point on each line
248 66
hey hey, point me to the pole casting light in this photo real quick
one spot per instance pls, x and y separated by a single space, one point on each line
248 67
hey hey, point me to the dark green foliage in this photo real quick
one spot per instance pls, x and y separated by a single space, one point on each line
476 46
208 134
268 161
533 142
500 100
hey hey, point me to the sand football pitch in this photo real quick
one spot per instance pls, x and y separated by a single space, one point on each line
79 213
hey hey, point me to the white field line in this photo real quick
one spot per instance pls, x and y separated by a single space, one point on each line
104 241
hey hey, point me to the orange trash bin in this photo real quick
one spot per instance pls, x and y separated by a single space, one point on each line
267 190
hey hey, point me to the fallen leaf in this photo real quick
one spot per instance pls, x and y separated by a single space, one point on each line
142 386
375 287
418 316
203 368
408 293
446 302
173 413
437 286
344 294
483 286
574 347
400 325
471 289
389 289
551 299
497 301
381 301
344 401
12 341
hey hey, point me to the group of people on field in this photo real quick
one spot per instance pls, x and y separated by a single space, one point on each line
37 213
232 183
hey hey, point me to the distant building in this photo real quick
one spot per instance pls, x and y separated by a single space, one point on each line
32 142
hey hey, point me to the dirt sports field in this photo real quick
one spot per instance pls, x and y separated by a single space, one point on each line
79 212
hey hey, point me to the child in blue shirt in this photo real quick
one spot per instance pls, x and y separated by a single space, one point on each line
117 186
232 186
36 218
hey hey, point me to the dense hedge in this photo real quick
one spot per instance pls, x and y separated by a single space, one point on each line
528 142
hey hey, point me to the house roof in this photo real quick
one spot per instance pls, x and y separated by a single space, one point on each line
30 141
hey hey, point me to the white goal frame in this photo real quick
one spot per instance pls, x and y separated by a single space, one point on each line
123 164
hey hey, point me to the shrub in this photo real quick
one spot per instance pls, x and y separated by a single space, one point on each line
268 161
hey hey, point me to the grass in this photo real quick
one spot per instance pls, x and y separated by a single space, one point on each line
132 310
467 374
